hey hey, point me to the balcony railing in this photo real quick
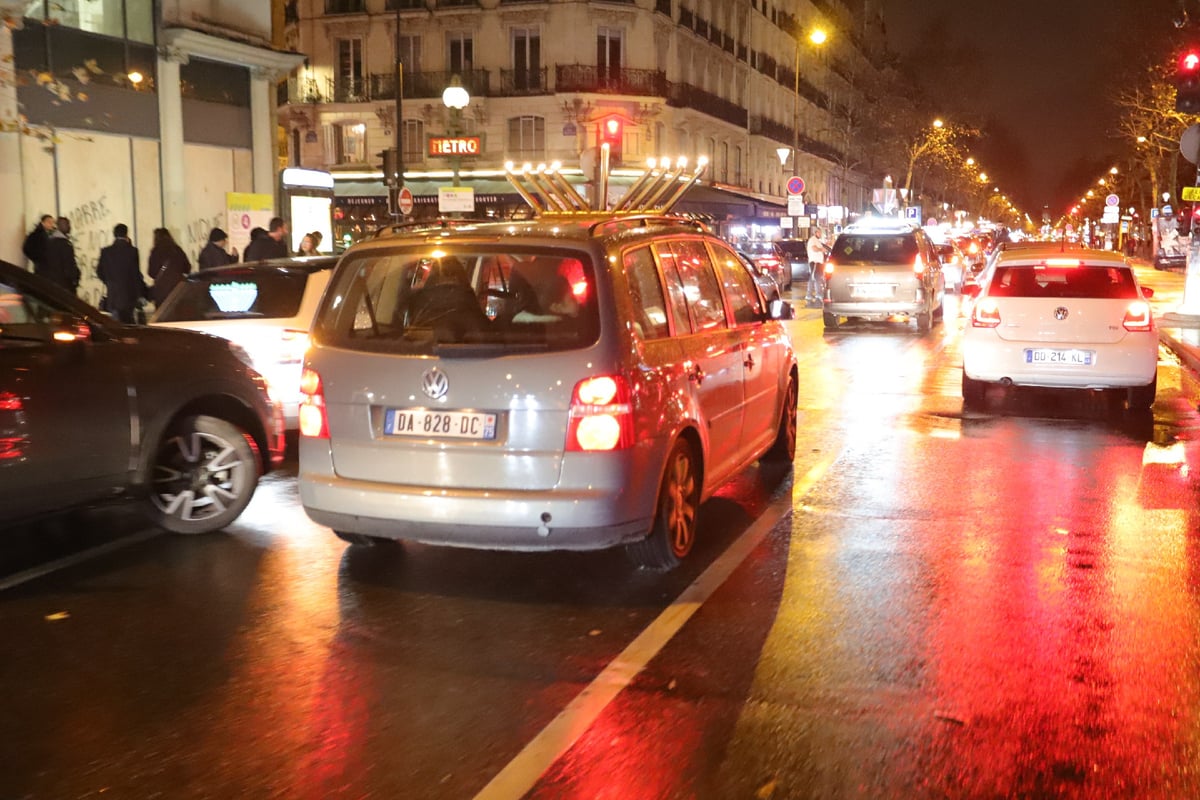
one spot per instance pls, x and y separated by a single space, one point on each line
684 95
427 84
785 135
663 7
686 17
347 90
584 78
345 6
404 5
517 82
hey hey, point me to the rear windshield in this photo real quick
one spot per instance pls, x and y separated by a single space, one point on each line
794 248
461 301
1049 281
235 294
875 249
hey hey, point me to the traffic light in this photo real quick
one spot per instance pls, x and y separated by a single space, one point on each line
1187 81
391 167
612 132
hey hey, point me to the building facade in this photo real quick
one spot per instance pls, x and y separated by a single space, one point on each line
145 112
734 80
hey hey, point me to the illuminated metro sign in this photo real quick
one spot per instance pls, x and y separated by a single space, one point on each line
441 146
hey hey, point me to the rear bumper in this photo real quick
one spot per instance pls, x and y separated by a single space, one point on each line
1131 362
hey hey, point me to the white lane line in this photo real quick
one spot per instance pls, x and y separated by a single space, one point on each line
521 774
76 558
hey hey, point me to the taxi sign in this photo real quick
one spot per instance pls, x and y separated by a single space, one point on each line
1191 193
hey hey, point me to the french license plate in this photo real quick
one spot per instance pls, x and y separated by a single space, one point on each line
1071 358
423 422
872 290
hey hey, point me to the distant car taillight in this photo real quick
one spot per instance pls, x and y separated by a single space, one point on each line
1138 317
986 314
314 421
919 265
601 415
828 269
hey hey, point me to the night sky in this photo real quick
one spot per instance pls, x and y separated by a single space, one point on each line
1043 68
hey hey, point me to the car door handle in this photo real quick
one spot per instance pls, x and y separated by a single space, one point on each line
696 374
749 362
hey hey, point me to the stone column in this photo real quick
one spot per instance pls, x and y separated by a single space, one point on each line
13 225
262 132
170 137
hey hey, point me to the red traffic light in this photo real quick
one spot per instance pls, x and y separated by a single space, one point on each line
1190 61
611 129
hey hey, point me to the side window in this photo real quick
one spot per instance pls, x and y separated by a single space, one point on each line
675 288
740 291
649 304
700 285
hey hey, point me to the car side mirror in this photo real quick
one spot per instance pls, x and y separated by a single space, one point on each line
1147 292
780 309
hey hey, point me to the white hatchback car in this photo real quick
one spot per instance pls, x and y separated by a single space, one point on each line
1074 320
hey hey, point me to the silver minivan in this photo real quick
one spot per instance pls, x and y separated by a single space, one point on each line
570 382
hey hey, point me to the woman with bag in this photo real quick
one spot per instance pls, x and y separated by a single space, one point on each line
167 266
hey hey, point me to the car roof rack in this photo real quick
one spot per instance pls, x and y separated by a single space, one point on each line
652 195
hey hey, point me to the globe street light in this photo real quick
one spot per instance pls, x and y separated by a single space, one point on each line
455 97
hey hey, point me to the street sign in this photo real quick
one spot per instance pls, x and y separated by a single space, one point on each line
1191 193
795 185
405 201
1112 200
795 205
912 212
453 199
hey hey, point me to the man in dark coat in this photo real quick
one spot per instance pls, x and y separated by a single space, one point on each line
214 253
58 260
273 245
122 276
34 247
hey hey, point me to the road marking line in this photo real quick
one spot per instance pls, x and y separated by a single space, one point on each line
76 558
521 774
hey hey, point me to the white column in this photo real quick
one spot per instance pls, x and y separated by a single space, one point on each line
262 129
170 137
12 189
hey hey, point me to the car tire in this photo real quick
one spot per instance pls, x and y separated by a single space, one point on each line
363 540
1141 398
674 531
925 321
972 391
783 450
203 476
831 321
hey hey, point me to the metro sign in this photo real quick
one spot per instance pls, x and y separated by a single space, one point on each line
443 146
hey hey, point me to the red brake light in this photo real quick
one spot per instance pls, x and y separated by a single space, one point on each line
974 248
601 415
828 268
986 314
919 265
1138 317
314 421
1062 262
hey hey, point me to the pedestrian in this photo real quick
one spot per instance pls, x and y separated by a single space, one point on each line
271 245
308 246
167 265
123 283
34 247
817 250
58 260
216 252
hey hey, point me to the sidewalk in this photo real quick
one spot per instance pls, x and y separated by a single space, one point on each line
1178 332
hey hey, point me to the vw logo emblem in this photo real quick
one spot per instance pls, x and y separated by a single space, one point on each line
435 384
1060 313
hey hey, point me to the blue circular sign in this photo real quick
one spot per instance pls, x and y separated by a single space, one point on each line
795 185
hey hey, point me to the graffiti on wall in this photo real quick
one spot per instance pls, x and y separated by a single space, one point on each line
91 229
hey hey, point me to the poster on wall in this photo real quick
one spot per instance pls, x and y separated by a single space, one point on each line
246 211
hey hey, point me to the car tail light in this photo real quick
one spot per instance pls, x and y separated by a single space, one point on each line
828 269
293 346
314 421
986 314
1138 317
973 248
919 265
601 415
1062 262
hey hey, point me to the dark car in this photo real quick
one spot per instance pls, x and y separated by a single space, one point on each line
93 410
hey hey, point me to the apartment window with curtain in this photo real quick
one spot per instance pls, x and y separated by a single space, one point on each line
348 142
527 59
526 138
461 53
412 142
350 82
608 53
410 52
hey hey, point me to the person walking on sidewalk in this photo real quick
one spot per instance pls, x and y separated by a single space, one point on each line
34 246
167 265
817 251
58 261
123 282
273 245
215 253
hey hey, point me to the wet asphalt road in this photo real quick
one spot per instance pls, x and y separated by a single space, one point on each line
1001 604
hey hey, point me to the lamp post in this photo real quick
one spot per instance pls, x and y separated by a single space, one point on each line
817 37
456 98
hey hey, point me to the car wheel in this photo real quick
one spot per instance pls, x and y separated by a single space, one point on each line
1141 398
783 450
972 391
363 540
204 473
674 531
831 321
925 322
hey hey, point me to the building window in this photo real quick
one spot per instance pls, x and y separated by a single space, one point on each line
348 142
410 52
527 59
738 178
526 138
345 6
723 166
121 19
349 84
608 54
413 141
461 50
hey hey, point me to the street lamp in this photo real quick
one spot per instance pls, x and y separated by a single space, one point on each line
455 97
817 37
